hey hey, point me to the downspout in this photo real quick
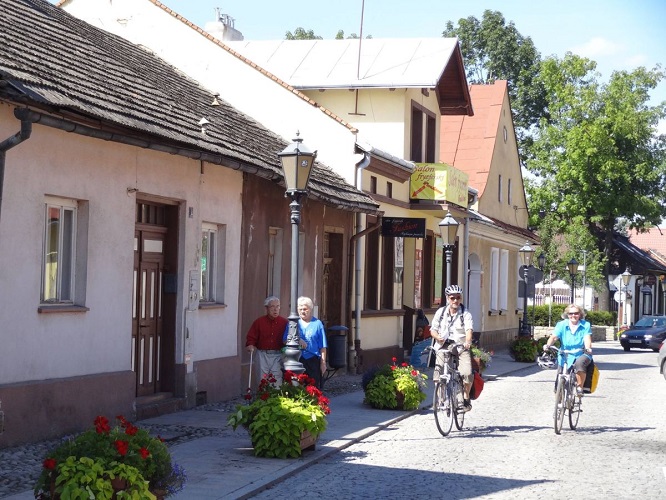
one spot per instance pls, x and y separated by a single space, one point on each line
355 251
9 143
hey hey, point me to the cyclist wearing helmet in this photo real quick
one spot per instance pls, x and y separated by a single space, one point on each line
574 333
454 322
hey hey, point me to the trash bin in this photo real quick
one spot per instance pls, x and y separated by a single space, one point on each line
337 346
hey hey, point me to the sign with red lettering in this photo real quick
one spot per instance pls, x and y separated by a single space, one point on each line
406 227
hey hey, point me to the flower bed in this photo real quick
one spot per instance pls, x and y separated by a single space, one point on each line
279 418
107 462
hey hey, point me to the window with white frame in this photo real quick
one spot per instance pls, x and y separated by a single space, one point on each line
494 278
59 265
503 284
212 262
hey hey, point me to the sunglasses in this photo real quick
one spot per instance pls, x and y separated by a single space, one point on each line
455 297
574 314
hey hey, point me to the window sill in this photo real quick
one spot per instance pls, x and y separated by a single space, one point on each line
370 313
494 312
61 308
212 305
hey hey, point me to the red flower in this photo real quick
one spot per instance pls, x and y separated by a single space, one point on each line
265 396
394 359
393 367
144 453
102 425
414 373
50 463
130 429
122 447
403 364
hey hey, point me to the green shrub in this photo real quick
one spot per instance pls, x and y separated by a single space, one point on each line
602 318
388 383
524 349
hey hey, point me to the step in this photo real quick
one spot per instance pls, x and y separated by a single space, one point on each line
158 404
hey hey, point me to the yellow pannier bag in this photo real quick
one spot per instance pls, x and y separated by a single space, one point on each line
592 378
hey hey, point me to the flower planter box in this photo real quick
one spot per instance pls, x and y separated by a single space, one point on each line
308 441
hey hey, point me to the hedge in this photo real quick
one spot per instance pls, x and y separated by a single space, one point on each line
540 316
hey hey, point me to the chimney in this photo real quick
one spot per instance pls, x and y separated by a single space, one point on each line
223 27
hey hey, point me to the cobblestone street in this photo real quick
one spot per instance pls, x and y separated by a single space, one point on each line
508 448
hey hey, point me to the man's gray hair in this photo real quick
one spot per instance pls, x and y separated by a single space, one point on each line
270 299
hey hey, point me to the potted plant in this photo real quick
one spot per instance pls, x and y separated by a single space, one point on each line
524 349
284 420
480 358
394 387
103 462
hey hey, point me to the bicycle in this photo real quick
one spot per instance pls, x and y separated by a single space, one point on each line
448 401
566 400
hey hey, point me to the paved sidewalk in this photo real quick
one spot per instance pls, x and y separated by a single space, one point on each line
222 465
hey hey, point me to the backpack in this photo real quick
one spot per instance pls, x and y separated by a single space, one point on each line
477 386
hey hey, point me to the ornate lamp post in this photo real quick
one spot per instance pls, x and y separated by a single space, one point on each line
572 266
626 278
448 228
297 161
526 253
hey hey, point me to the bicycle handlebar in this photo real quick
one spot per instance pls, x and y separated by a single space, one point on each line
564 351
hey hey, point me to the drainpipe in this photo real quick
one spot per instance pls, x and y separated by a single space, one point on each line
355 250
9 143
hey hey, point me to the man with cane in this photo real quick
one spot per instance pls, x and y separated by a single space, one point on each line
265 337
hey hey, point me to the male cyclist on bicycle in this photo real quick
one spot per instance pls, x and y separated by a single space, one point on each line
453 322
574 333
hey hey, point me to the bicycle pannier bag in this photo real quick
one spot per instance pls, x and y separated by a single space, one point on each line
477 386
591 379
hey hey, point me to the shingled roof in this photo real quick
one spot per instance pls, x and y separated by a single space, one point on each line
69 69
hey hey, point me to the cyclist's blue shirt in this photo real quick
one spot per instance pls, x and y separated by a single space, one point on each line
571 340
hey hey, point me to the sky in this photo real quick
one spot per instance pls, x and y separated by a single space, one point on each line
617 34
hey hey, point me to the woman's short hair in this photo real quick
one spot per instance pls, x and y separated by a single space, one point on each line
565 313
306 301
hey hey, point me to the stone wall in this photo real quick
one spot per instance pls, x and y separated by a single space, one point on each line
599 333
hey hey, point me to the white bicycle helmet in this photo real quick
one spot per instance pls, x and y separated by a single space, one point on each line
547 361
452 289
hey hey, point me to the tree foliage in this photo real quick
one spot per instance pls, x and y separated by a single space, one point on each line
494 50
301 34
596 153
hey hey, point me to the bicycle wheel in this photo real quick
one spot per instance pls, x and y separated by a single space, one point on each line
574 407
458 403
443 408
560 405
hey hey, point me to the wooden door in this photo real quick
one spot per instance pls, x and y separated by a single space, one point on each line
147 309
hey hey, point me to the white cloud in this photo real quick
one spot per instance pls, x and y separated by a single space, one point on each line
598 46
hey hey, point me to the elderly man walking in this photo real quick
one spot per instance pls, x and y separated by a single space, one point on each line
265 337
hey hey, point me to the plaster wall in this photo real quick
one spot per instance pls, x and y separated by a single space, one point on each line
68 344
239 83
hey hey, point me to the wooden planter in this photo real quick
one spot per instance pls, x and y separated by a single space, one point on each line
308 441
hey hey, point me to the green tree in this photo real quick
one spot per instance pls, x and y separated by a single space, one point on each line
300 34
494 50
596 153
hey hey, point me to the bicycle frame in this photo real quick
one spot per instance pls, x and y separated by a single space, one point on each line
448 393
565 392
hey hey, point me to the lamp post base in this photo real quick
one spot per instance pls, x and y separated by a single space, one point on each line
292 350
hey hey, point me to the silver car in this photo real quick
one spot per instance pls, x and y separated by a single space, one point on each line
661 359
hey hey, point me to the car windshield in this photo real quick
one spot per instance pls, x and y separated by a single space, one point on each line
649 322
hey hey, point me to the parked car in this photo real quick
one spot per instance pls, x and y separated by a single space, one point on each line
647 333
661 359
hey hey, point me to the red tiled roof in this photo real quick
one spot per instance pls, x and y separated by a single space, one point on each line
467 142
652 241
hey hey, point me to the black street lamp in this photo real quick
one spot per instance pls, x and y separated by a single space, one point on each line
297 161
448 228
572 266
626 278
526 253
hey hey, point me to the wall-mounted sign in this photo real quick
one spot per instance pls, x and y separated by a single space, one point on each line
438 182
406 227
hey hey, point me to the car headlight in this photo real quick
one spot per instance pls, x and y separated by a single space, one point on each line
623 336
648 337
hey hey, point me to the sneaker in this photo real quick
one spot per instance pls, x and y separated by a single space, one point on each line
579 391
467 406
